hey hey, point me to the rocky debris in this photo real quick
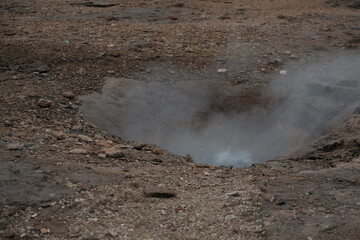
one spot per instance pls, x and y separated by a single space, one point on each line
69 95
78 151
159 192
59 135
85 138
44 103
113 152
15 146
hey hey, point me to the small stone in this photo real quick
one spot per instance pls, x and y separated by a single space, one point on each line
44 103
222 70
283 72
173 18
103 144
78 151
69 95
102 155
77 128
93 219
59 135
113 152
29 145
44 231
159 192
113 233
233 194
85 138
15 146
230 217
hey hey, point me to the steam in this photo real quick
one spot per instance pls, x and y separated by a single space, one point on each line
217 123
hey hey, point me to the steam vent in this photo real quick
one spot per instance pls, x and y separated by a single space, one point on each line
180 120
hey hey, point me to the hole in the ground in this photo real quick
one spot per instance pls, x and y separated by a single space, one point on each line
218 123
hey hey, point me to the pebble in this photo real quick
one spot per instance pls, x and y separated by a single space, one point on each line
230 217
113 233
222 70
44 103
78 151
59 135
29 145
93 219
69 95
85 138
233 194
159 192
283 72
44 231
113 152
15 146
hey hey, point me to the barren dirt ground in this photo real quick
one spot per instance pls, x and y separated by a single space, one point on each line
62 177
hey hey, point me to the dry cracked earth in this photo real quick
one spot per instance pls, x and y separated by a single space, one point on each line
63 176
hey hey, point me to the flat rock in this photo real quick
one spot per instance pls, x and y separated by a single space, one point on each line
113 152
230 217
15 146
69 95
59 135
159 192
78 151
85 138
44 103
103 144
